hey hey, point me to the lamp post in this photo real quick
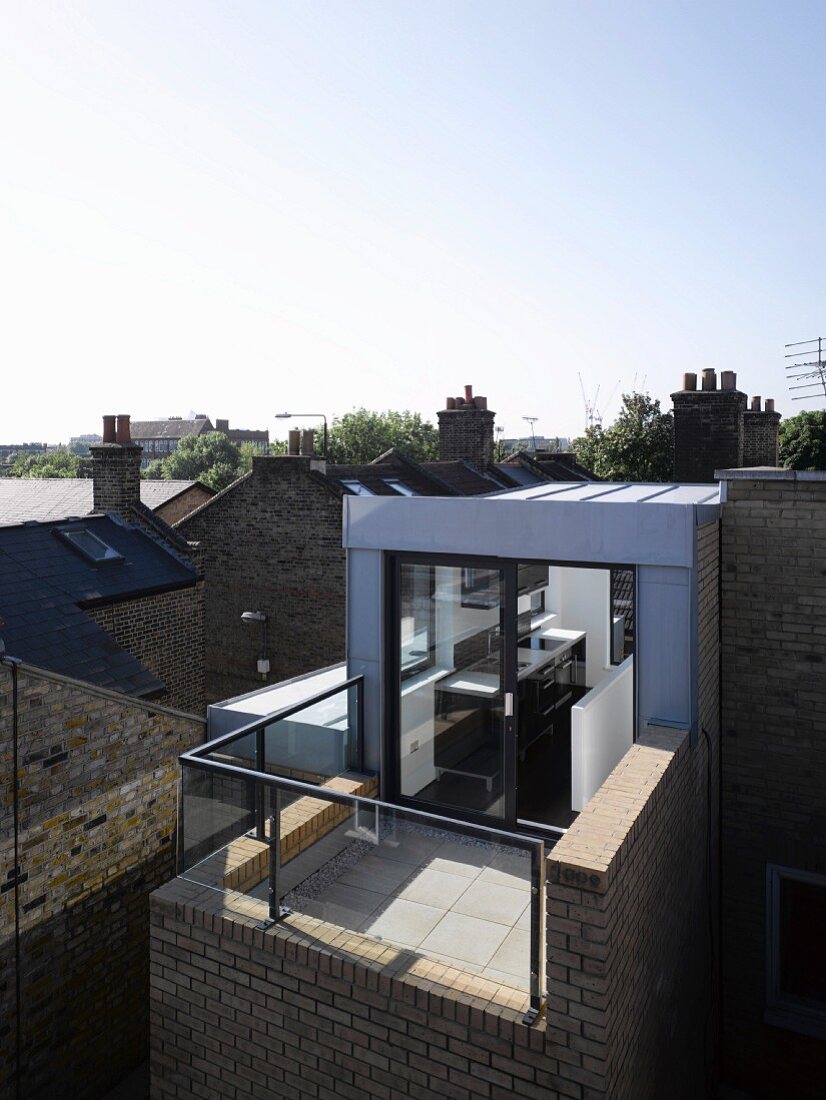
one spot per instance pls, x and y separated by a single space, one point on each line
250 617
317 416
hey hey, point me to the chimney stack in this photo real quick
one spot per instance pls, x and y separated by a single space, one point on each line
708 426
466 430
116 468
761 429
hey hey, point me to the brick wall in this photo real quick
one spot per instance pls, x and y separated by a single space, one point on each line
116 471
774 764
708 433
184 503
98 781
166 633
760 438
271 543
630 967
305 1009
466 433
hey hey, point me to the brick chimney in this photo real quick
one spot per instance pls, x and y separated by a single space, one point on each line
761 429
116 468
466 429
708 426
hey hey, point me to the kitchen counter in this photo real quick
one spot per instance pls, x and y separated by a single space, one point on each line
483 677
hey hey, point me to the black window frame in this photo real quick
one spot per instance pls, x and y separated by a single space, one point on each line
784 1009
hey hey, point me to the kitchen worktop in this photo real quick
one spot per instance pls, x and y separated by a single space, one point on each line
483 677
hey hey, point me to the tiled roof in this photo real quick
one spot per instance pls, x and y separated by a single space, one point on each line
30 498
45 584
169 429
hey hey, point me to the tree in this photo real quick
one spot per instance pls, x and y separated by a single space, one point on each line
51 464
803 441
211 458
638 446
362 435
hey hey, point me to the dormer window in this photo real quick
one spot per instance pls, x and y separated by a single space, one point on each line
398 486
357 488
89 546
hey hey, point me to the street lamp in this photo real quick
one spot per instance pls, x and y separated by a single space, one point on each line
294 416
250 617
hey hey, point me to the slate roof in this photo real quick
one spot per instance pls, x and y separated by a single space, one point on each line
468 480
529 469
454 478
45 584
30 498
169 429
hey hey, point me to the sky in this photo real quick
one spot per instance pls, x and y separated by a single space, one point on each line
241 208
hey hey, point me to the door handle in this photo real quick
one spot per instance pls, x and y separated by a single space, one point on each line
509 704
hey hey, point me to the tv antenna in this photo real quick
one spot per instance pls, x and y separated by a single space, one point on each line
806 372
593 417
532 420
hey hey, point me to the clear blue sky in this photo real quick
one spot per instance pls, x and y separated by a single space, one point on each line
239 208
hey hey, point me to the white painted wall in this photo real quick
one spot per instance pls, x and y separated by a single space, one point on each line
602 731
582 599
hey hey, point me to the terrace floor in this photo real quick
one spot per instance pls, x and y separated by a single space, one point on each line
452 899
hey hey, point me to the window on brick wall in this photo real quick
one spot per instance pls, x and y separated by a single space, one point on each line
796 950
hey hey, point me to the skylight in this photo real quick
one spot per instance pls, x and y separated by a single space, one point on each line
398 486
89 546
357 487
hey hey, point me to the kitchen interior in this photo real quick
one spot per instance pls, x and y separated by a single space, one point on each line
573 698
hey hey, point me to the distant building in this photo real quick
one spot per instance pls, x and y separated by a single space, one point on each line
160 438
80 444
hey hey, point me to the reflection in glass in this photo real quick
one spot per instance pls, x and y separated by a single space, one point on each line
451 735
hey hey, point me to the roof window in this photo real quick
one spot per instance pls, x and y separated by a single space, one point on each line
398 486
356 487
89 546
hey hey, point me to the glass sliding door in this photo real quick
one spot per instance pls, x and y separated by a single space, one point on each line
450 750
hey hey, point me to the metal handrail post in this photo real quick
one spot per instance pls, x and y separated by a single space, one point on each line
276 910
537 933
260 790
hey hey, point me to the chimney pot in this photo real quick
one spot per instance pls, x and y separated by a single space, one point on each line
755 404
769 404
122 433
709 379
468 395
450 403
294 439
108 429
460 402
728 380
480 402
689 381
308 442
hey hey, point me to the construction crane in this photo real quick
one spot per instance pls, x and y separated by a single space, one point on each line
592 416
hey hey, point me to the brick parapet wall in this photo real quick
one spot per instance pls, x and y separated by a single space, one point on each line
708 433
630 1011
628 961
305 1009
165 632
271 543
774 760
98 780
